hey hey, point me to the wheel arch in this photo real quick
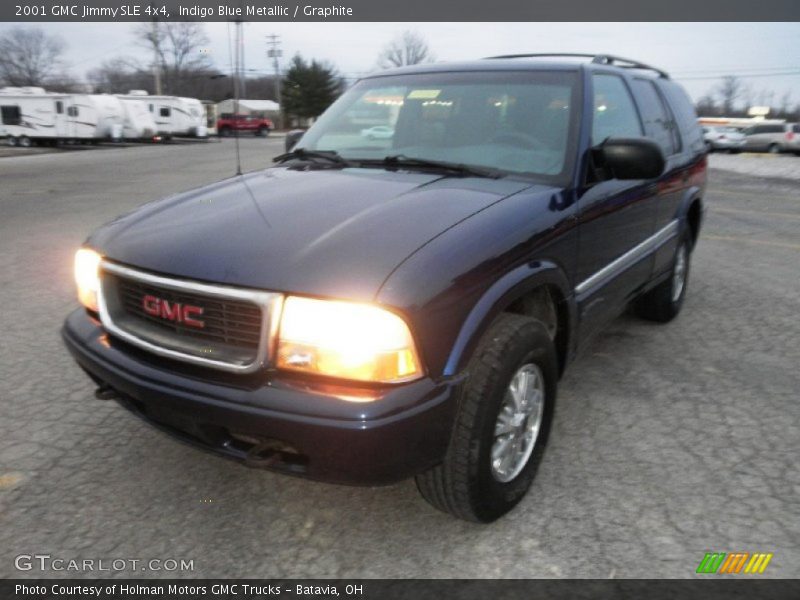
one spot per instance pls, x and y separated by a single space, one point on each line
692 212
518 292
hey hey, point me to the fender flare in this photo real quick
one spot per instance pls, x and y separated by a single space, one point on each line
498 297
690 196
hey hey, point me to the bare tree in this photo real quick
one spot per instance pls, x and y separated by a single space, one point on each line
784 107
28 56
177 48
118 76
729 91
706 106
409 48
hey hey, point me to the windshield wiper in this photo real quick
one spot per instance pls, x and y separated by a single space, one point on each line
408 162
313 155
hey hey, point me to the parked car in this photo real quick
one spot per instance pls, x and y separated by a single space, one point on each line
378 132
229 124
362 315
774 138
723 138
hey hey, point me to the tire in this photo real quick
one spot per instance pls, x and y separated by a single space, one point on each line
466 484
24 141
225 132
262 132
664 302
11 141
774 149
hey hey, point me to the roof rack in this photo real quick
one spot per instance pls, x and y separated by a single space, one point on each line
598 59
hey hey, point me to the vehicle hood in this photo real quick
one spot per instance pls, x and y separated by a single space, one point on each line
326 232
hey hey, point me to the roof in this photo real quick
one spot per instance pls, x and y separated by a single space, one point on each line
255 104
525 62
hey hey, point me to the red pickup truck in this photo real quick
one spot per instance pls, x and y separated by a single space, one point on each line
229 124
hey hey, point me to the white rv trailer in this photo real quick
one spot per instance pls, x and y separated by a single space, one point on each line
173 115
139 123
29 115
110 115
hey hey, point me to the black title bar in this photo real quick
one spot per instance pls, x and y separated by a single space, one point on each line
703 587
401 10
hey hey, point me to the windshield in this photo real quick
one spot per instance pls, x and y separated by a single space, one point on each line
516 122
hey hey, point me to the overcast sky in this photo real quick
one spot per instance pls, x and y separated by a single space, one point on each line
692 52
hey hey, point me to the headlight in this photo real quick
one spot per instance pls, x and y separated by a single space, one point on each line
87 277
347 340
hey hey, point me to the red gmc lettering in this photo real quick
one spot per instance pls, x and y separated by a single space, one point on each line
193 311
175 311
151 305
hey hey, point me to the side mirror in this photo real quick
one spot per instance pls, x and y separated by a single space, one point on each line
292 138
631 158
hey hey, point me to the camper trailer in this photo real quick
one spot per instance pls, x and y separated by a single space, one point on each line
110 115
174 116
31 115
139 123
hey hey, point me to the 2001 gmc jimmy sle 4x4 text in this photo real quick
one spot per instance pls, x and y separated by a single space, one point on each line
370 310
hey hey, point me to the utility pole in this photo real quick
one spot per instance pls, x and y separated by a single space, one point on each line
274 52
156 60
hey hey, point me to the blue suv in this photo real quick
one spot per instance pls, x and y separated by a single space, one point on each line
373 308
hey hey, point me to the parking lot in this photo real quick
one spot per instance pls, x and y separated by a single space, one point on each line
669 441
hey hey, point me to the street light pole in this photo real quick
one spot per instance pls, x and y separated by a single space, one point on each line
274 52
156 65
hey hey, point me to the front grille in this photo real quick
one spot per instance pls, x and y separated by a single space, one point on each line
228 327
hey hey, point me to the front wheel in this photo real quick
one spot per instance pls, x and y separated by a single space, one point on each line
664 302
502 425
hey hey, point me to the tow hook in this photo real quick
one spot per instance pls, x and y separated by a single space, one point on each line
105 392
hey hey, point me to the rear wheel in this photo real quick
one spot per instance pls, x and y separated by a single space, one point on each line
11 141
262 132
774 149
24 141
225 132
664 302
502 424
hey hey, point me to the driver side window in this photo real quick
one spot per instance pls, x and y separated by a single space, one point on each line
615 113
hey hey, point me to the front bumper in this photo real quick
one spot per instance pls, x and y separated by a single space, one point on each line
296 426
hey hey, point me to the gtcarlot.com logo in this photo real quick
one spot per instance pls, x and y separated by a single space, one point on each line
47 562
734 563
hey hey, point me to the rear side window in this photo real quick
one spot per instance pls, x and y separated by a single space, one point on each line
658 124
614 111
59 107
796 128
164 111
684 113
72 111
11 115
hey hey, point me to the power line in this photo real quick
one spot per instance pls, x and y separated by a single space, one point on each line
742 76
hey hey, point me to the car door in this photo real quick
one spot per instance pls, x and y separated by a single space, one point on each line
614 216
661 126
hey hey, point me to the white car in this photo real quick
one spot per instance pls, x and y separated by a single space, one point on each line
378 132
723 138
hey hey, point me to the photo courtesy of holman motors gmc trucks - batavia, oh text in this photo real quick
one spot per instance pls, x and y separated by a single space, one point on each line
378 307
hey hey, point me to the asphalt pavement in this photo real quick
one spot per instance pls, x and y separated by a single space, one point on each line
670 441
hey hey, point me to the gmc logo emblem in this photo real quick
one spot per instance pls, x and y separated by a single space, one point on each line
173 311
